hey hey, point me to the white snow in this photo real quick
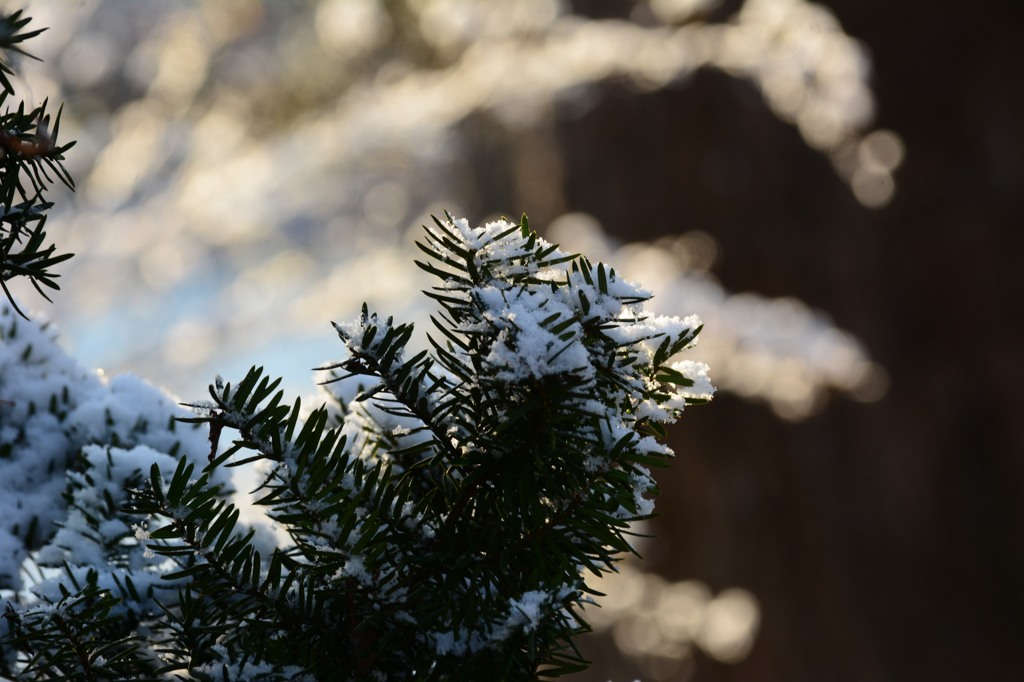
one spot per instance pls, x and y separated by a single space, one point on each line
54 413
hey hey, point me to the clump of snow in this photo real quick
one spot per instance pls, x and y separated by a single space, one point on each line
355 567
240 667
58 420
372 431
356 335
526 612
523 614
697 373
526 345
98 491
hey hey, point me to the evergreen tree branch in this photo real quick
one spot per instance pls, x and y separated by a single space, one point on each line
31 161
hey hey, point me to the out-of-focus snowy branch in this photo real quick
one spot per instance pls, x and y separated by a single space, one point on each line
776 350
204 192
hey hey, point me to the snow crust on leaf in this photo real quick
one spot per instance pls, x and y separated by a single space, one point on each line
525 346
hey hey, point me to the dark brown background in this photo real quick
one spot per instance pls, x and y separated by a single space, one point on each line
884 540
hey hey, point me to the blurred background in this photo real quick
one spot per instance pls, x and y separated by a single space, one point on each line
835 187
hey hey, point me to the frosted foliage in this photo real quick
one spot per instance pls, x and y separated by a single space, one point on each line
51 411
545 320
504 258
539 331
353 330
